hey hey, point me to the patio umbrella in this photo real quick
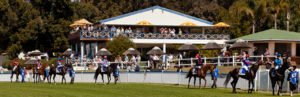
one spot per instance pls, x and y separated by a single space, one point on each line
83 21
103 52
31 62
188 47
34 53
144 22
131 51
155 50
240 44
211 46
67 52
221 24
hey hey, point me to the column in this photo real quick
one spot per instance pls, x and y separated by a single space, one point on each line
203 31
96 48
81 52
71 49
293 48
271 48
164 47
250 51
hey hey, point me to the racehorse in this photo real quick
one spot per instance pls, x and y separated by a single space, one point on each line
201 74
279 77
62 72
37 74
111 68
250 76
17 71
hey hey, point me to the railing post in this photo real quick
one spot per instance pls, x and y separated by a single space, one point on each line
148 64
178 62
233 61
262 57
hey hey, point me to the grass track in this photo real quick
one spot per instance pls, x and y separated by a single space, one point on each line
120 90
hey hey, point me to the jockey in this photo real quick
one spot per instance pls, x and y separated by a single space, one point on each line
59 65
38 65
277 62
104 64
246 65
15 64
198 63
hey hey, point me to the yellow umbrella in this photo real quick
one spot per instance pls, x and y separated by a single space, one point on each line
75 25
188 23
221 24
83 21
144 22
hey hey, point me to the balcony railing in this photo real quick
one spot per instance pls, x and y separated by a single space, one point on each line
95 34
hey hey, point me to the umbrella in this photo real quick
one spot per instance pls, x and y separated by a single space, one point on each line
31 62
155 50
67 52
83 21
103 52
211 46
188 47
34 53
240 44
76 24
221 24
131 51
144 22
188 23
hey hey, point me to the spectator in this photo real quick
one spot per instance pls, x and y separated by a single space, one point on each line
138 57
162 30
105 28
92 28
267 53
133 62
113 29
166 31
293 79
129 30
126 60
155 60
172 32
180 32
215 76
118 31
122 30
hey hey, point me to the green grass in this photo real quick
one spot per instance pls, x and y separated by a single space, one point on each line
120 90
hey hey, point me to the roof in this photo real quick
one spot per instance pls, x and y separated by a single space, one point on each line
271 35
156 15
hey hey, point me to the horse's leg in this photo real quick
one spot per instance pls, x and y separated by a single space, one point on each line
249 82
252 86
17 77
189 82
65 79
96 77
62 79
278 91
273 86
280 87
108 79
195 81
11 77
204 82
102 78
54 78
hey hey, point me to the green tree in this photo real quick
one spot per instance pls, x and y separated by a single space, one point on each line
119 45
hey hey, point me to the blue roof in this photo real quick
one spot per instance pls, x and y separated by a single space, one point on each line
155 7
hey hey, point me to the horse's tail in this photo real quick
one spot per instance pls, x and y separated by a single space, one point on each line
227 79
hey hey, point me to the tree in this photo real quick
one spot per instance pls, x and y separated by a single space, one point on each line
119 45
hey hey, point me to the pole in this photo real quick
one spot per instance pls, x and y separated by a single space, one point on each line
233 60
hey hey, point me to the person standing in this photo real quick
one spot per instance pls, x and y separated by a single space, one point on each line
59 65
23 72
16 64
293 79
38 65
215 76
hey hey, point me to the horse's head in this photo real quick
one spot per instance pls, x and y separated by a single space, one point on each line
208 67
256 65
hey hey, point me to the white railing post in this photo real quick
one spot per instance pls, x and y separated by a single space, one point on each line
262 57
178 63
148 64
233 61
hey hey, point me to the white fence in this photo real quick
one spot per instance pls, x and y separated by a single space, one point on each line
262 81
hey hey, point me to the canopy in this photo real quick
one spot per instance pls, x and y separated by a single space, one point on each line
67 52
31 62
131 51
240 44
155 50
103 52
34 53
157 16
83 21
211 46
188 47
221 24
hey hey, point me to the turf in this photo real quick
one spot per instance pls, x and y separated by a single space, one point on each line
120 90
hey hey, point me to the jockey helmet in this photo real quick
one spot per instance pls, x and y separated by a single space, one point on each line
59 58
278 55
247 55
105 57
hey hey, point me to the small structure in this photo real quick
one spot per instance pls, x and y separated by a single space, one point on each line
156 50
103 52
211 46
131 51
188 47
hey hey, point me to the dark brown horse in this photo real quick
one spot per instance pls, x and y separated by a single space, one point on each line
112 68
62 72
279 77
201 74
250 76
17 71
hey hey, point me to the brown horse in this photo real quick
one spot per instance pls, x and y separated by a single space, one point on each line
17 71
40 72
62 72
201 74
111 68
279 76
250 76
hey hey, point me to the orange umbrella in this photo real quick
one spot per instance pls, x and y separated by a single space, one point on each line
144 22
188 23
221 24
